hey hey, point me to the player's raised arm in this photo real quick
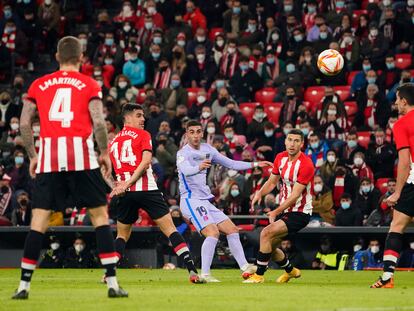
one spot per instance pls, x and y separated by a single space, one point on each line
101 133
187 169
237 165
26 120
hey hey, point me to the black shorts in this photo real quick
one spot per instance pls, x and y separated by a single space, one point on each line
405 204
58 190
150 201
295 221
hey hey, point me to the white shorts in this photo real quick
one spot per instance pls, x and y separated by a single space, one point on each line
201 213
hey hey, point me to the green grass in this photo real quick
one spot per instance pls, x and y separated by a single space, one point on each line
169 290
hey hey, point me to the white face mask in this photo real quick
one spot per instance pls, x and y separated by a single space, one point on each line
331 112
211 130
151 10
54 246
317 187
122 84
229 135
331 158
357 247
79 248
14 126
375 249
206 114
201 99
358 161
220 43
231 50
231 173
201 57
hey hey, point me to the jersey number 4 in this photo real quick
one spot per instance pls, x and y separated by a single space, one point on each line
127 155
60 108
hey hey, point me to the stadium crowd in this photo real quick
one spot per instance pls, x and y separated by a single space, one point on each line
247 70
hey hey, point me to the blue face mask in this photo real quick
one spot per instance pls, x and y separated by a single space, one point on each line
109 41
251 28
305 131
7 14
157 40
390 66
314 145
340 4
345 205
288 8
371 80
155 55
290 68
236 10
366 67
26 1
323 35
219 84
108 61
298 38
175 83
270 61
19 160
234 192
243 67
311 9
352 143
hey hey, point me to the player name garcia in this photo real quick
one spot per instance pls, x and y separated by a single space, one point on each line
71 81
127 133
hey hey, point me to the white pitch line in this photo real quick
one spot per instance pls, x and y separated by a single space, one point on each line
372 309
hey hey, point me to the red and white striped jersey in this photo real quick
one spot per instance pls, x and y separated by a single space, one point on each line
299 171
126 155
66 131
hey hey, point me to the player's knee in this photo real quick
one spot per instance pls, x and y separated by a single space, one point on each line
265 234
232 229
211 231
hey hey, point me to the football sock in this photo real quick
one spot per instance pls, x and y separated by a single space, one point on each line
262 262
285 264
108 256
393 246
236 249
181 249
120 244
31 253
207 253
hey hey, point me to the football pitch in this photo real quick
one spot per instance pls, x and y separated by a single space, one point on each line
170 290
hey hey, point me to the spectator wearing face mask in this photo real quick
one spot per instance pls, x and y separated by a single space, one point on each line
360 80
343 181
151 10
334 124
252 34
232 140
367 199
322 202
122 87
212 130
156 116
375 46
7 111
230 60
255 181
317 150
256 126
109 48
351 147
134 69
9 137
330 97
179 61
245 81
194 17
280 141
325 38
235 202
219 104
327 258
22 212
127 14
373 109
328 168
173 96
235 20
349 48
381 156
348 214
79 256
265 142
292 77
272 67
53 258
202 69
20 172
313 33
234 118
391 75
291 103
196 109
218 47
6 195
163 74
407 256
360 169
370 258
382 215
200 39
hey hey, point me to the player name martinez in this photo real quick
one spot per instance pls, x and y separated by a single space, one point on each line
70 81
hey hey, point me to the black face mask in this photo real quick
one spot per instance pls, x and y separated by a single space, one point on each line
239 149
154 114
290 97
4 189
162 142
231 113
302 114
329 97
177 221
222 101
340 172
23 202
406 80
18 86
177 54
5 101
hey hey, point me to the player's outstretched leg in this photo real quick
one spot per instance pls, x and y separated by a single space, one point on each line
32 248
236 248
393 245
208 250
290 271
120 245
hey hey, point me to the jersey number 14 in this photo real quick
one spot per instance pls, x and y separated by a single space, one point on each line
127 155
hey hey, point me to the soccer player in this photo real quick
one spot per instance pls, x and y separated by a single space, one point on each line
402 200
296 172
193 160
70 111
131 155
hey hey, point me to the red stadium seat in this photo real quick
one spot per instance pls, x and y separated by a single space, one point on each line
364 138
351 76
343 91
402 61
247 110
214 32
141 96
265 95
351 108
355 16
192 95
381 184
273 112
314 94
246 227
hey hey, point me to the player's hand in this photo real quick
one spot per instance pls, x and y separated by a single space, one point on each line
392 199
265 164
206 164
106 165
272 215
120 189
257 199
32 167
